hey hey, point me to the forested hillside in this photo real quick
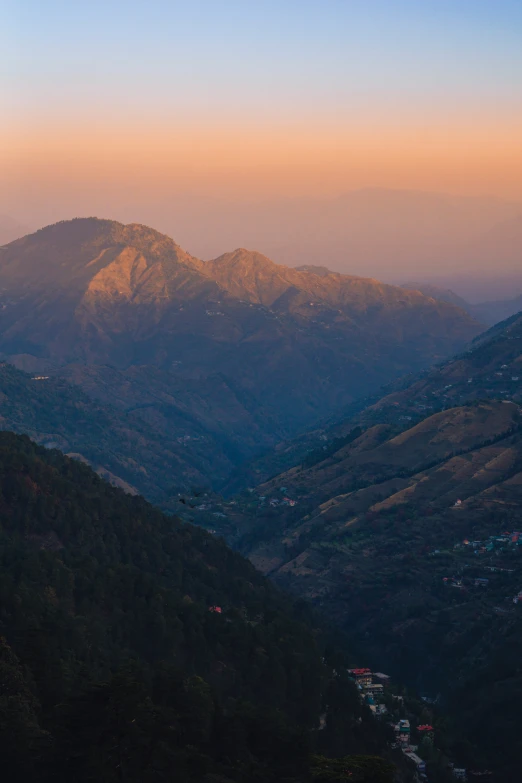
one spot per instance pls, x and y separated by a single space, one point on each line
118 444
138 648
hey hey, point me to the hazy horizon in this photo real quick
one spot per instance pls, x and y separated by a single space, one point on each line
382 140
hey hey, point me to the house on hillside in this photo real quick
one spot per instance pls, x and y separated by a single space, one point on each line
375 688
363 677
402 731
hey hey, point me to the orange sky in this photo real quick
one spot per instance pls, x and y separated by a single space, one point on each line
252 159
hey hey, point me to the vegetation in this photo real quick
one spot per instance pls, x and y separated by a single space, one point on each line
118 444
138 648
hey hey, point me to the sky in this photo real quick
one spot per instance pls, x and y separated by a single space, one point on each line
129 106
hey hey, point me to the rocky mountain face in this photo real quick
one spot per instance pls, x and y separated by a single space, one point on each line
231 355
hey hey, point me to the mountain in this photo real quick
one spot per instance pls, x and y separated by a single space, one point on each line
387 233
120 445
474 395
490 313
231 355
490 368
495 311
134 647
442 294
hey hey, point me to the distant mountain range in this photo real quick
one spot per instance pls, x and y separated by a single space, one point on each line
442 294
225 357
490 313
390 234
495 311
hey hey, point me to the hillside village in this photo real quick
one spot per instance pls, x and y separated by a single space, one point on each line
417 741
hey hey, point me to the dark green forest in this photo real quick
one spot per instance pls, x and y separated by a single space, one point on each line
135 647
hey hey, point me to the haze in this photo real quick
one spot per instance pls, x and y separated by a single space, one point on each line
381 139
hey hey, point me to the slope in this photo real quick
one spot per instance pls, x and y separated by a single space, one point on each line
409 542
120 445
489 312
436 292
136 648
491 368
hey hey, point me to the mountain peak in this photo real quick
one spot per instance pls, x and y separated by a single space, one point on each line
85 230
243 257
250 275
75 250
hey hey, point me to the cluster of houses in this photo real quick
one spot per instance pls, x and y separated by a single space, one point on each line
372 685
274 502
284 502
510 539
403 735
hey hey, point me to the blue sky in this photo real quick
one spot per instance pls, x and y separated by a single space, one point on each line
260 56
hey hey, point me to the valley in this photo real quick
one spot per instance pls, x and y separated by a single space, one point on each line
402 523
360 443
261 392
